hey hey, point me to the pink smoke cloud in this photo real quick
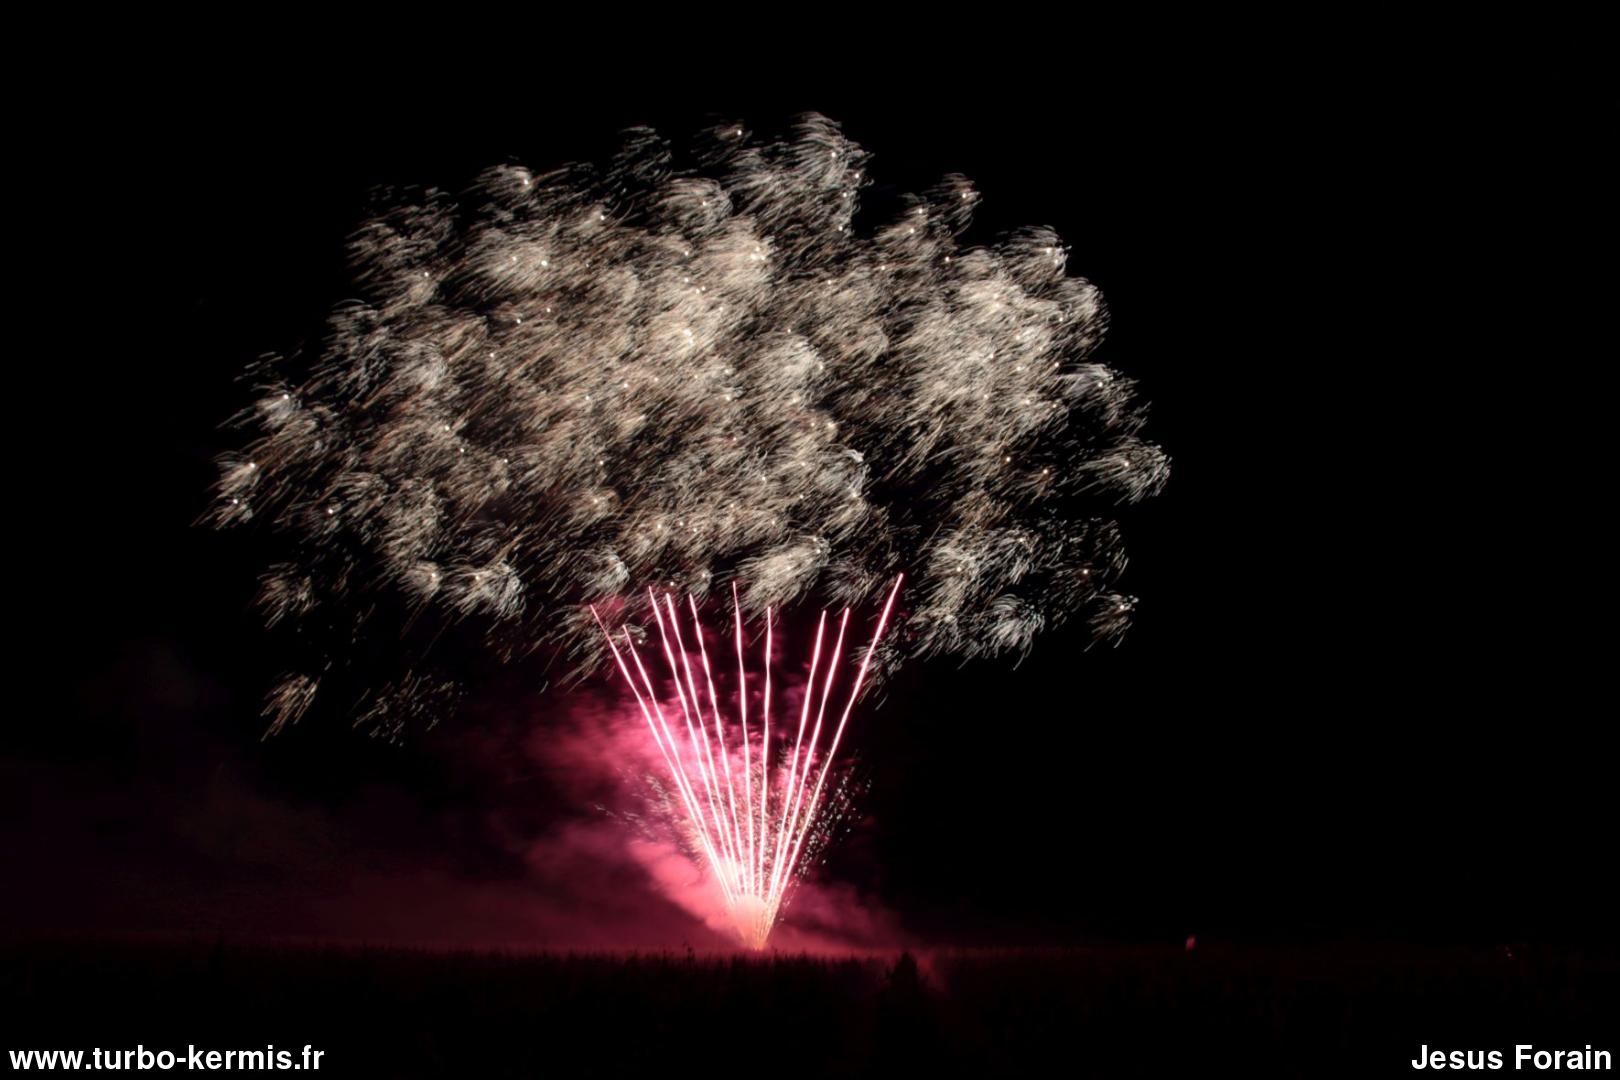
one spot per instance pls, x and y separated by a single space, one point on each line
597 749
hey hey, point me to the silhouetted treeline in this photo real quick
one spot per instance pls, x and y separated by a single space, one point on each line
1324 1010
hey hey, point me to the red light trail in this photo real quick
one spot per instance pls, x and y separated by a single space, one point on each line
753 850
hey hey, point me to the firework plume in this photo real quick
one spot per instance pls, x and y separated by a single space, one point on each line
755 848
690 369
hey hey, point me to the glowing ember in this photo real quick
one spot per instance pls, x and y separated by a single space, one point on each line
753 849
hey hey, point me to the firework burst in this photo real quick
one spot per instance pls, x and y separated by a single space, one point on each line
695 367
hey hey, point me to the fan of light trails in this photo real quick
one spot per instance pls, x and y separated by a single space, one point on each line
750 821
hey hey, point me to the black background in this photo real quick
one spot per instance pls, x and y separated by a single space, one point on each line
1357 699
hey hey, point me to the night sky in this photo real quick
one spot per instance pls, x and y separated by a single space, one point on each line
1351 704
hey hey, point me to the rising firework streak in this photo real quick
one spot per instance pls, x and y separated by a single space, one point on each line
752 847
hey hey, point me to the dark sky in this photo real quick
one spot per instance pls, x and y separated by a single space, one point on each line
1353 701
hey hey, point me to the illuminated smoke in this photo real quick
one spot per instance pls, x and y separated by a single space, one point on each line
686 369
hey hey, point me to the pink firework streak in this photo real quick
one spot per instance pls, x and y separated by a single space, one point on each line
750 822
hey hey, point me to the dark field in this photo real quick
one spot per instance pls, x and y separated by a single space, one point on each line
1139 1011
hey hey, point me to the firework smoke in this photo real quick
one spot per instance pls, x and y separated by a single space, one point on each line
687 369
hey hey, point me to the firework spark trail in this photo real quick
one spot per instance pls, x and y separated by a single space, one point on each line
706 758
693 809
838 736
765 748
798 741
755 886
665 748
796 803
693 367
742 720
741 850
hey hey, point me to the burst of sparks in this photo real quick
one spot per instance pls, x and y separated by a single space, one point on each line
753 850
691 367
